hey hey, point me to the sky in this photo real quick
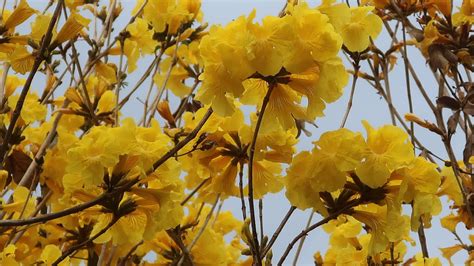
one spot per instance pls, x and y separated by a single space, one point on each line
367 105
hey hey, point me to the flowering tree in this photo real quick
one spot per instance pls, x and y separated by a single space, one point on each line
222 110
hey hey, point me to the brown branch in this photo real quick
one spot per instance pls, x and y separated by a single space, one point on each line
314 226
241 192
86 242
75 209
183 143
300 245
40 57
129 253
56 215
253 222
194 191
278 230
177 239
351 97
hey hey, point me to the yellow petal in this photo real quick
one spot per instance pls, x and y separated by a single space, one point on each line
50 254
106 71
450 251
73 25
21 13
450 222
107 102
21 60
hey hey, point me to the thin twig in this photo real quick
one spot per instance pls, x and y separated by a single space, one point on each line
300 245
130 252
257 258
145 75
278 231
188 197
422 238
24 92
165 82
56 215
241 192
3 82
351 97
86 242
201 230
334 215
182 143
260 217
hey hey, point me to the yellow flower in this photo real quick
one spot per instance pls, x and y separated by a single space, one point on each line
50 254
40 26
388 150
450 222
140 42
297 191
420 182
176 79
7 256
224 152
384 226
420 176
73 26
226 65
266 179
449 186
96 151
356 25
13 82
422 261
106 71
73 4
315 39
168 14
107 102
335 153
20 197
325 169
465 14
226 223
345 247
21 60
267 44
450 251
21 13
32 111
128 229
296 55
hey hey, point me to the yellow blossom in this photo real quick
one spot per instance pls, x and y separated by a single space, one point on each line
21 199
107 102
33 110
21 13
40 26
21 60
50 254
73 26
465 14
388 149
140 42
356 24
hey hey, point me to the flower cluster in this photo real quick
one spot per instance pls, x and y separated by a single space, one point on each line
368 179
291 58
